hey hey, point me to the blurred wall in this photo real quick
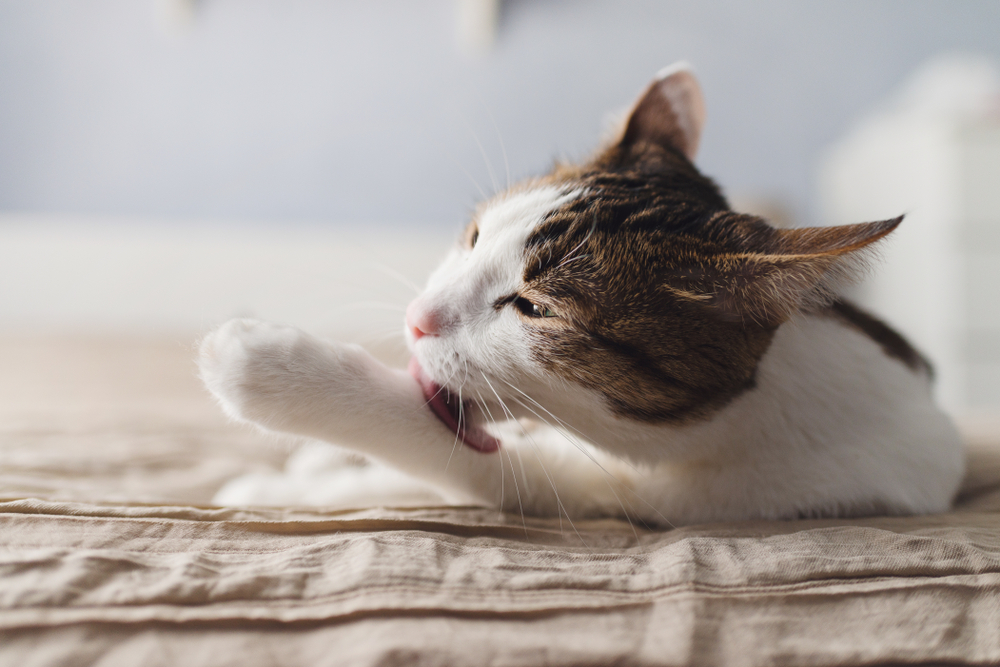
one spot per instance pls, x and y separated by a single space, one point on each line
357 111
931 149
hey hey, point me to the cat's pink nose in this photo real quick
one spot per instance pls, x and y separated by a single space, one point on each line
421 321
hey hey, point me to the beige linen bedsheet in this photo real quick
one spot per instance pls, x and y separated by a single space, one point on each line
110 555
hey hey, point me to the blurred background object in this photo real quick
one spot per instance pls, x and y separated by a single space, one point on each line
931 150
166 164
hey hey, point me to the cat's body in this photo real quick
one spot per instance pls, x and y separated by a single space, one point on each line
654 355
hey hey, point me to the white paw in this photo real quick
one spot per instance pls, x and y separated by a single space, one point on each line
268 373
236 359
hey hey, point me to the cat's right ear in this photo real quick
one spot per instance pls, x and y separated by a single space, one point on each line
670 112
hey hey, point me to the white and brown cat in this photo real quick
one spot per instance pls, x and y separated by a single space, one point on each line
612 340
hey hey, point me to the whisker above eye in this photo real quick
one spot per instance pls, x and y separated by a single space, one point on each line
503 149
571 259
482 151
590 232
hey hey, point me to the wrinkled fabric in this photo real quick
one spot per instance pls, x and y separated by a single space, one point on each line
111 555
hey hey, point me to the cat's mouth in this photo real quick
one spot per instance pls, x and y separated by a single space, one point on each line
451 412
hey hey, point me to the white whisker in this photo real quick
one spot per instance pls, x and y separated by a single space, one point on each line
559 502
395 334
513 476
486 159
503 149
373 305
458 430
565 426
606 472
443 148
571 260
589 455
516 489
482 192
441 387
392 273
566 257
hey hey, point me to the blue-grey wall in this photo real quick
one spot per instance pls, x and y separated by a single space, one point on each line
367 111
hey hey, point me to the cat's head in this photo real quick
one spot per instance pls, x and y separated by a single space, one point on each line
623 286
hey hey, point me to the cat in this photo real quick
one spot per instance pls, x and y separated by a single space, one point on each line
611 340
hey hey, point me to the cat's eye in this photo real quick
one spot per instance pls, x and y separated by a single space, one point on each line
530 309
474 237
544 311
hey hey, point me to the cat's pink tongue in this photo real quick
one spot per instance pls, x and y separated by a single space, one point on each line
446 408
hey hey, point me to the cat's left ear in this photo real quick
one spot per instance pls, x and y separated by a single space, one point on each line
670 112
785 270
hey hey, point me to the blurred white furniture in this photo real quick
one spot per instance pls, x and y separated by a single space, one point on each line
932 151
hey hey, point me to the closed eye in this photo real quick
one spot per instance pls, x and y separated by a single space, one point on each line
529 309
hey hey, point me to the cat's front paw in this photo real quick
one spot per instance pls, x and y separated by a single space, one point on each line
236 359
262 372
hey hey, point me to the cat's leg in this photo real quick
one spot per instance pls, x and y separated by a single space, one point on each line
285 380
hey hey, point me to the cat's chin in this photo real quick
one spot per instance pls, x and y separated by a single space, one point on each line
447 408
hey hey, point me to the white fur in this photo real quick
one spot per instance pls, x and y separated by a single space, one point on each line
833 426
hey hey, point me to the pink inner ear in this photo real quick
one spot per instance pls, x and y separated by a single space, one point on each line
670 112
681 89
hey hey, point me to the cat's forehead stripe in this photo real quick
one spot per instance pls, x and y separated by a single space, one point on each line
516 215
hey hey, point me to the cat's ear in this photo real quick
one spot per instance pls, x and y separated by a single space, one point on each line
787 270
671 111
